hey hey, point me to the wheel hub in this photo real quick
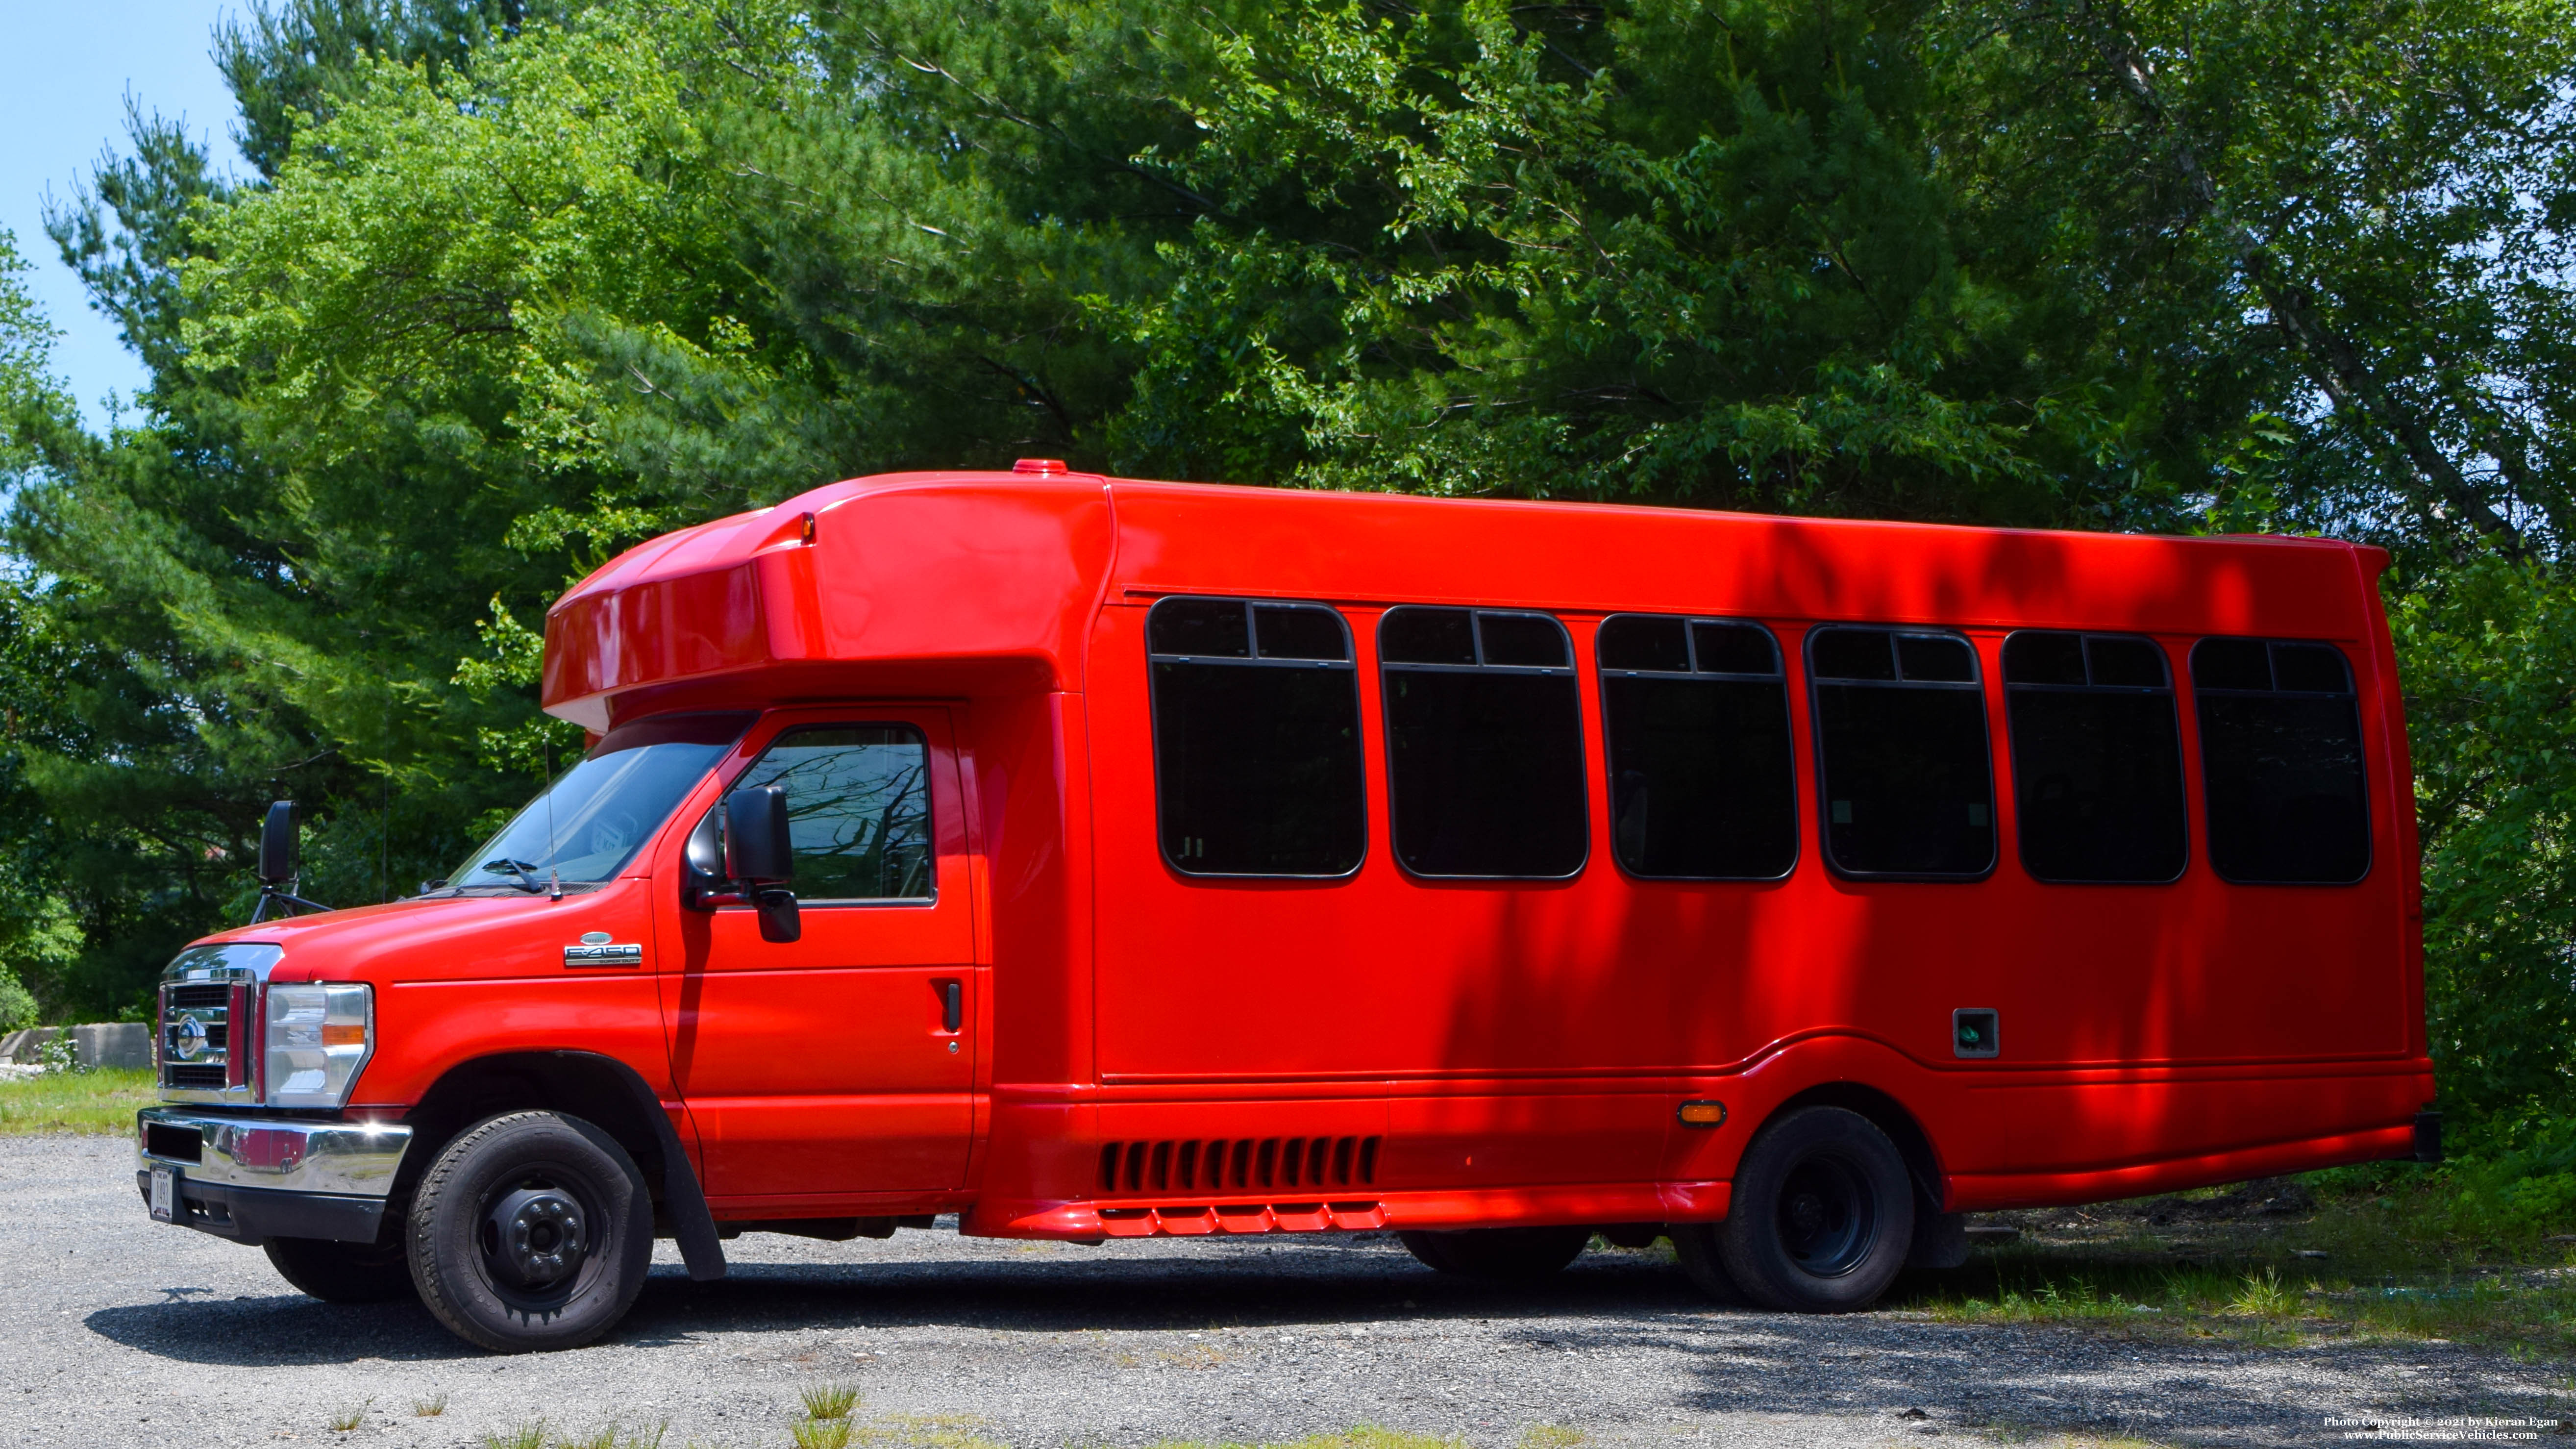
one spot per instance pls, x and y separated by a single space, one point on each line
535 1237
1827 1221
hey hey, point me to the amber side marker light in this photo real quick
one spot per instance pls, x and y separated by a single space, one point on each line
1702 1114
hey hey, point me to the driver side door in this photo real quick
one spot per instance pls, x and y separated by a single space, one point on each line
843 1063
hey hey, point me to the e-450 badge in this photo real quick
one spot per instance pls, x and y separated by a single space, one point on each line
597 950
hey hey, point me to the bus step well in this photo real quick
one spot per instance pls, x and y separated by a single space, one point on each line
1201 1219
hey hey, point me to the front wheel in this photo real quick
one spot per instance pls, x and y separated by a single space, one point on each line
1822 1218
1503 1254
531 1231
342 1272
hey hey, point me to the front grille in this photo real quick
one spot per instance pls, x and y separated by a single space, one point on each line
200 1015
1237 1163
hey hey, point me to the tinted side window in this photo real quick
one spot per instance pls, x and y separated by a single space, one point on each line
1901 753
1256 738
2280 758
1700 776
858 808
2097 758
1484 736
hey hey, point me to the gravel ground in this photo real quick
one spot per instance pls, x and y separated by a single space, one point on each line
115 1331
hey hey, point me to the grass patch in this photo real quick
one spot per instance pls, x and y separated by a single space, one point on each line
830 1400
535 1435
2371 1258
343 1420
96 1101
918 1431
820 1433
431 1407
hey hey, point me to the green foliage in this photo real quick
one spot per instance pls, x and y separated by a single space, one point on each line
2488 652
26 344
288 65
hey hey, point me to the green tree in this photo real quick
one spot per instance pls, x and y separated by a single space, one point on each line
2489 654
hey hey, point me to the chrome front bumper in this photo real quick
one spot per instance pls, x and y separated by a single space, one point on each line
254 1178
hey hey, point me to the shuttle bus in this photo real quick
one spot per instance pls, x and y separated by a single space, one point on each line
1091 858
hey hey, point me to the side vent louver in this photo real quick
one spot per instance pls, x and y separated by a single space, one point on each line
1237 1164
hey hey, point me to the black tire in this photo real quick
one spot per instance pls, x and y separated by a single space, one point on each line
1823 1215
1508 1255
1695 1244
342 1272
530 1231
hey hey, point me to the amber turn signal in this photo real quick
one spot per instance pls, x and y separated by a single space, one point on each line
1702 1114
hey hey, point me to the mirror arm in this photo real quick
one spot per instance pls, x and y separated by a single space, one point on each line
285 899
714 893
780 922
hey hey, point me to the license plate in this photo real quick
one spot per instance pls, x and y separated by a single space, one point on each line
165 1195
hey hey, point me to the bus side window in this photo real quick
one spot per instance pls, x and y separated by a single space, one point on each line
2280 759
1701 781
1256 738
2097 758
1484 731
1902 764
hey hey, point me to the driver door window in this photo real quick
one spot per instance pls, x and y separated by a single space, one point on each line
858 807
844 1061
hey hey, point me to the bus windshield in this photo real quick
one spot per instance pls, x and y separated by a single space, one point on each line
586 826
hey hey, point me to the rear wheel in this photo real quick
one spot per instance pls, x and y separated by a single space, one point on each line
1502 1254
1823 1214
342 1272
531 1231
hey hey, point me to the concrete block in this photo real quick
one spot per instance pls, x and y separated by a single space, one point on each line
99 1044
113 1044
20 1046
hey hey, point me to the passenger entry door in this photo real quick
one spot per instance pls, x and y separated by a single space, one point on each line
843 1062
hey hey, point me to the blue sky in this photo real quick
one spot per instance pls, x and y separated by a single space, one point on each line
64 73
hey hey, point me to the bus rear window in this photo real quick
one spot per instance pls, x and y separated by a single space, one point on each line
2097 758
1901 755
1700 773
1484 731
1256 738
2280 755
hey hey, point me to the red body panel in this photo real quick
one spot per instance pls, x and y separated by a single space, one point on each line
1396 1051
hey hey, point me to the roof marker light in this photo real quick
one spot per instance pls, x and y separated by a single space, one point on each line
1039 466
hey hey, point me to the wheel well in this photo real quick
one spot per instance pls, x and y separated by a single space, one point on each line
1889 1116
600 1090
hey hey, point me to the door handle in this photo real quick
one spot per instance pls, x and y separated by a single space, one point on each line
952 1004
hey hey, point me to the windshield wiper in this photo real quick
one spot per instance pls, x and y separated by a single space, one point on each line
521 869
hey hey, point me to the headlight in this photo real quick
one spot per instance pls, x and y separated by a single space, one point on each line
317 1037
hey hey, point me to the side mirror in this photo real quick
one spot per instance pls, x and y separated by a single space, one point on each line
277 841
759 854
276 867
758 850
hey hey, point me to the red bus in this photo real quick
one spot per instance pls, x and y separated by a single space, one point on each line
1092 858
